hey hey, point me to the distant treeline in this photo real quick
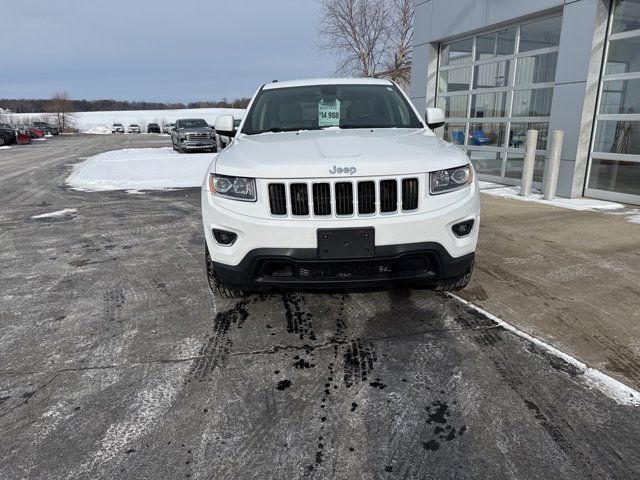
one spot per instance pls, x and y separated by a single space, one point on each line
39 105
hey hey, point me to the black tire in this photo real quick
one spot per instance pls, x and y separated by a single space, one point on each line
3 141
454 283
216 285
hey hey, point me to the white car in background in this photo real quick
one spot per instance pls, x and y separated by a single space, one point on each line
338 183
134 128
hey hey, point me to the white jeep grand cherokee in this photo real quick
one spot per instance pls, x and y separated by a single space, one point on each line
338 183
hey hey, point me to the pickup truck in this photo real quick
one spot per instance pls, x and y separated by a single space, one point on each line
193 134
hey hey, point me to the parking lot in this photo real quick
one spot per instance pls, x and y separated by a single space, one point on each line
116 361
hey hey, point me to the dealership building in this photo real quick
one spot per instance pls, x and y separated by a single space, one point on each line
501 67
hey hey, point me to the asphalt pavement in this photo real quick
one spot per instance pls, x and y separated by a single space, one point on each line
116 360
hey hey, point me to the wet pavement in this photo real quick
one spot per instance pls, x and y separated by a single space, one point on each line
116 360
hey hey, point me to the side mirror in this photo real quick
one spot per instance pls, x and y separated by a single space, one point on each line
434 118
225 126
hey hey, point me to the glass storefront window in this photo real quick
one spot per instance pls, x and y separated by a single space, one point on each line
457 53
537 69
626 16
541 34
496 80
454 106
491 75
617 136
455 80
532 103
454 133
496 43
620 96
487 134
488 105
513 167
623 56
518 133
486 163
612 176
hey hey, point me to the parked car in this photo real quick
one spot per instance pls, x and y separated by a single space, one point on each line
478 137
134 128
166 128
153 128
7 134
48 129
307 195
117 128
193 134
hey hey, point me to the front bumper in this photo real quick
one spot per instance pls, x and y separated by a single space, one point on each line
301 267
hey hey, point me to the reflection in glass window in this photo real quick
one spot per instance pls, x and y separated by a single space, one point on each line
541 34
491 75
620 96
454 133
513 167
626 16
488 105
457 53
617 136
496 43
621 177
454 80
532 103
454 106
487 134
623 56
487 163
518 134
537 69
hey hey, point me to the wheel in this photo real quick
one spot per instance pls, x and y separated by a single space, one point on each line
454 283
3 141
181 150
216 285
174 146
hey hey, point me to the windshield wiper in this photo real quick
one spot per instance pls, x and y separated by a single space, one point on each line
349 125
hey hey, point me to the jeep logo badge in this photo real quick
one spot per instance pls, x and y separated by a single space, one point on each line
345 170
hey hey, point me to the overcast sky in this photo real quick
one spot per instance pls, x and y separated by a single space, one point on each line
164 50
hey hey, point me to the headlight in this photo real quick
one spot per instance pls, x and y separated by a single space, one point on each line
451 179
238 188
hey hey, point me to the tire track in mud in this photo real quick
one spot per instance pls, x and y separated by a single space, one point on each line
218 346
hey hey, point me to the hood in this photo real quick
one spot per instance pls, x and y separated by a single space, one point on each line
312 154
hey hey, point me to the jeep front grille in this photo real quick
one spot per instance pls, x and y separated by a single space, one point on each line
344 198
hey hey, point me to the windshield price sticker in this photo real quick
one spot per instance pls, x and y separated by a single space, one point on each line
329 113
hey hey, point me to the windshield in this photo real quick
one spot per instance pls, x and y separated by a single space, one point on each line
196 123
321 106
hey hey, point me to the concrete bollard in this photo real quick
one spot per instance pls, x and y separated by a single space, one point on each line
529 162
553 165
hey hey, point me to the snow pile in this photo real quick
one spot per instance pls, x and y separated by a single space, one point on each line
88 120
634 219
582 204
5 148
140 169
99 130
58 214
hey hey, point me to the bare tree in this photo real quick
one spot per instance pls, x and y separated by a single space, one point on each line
62 107
371 38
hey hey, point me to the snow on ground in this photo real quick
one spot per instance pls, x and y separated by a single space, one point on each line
583 204
85 121
99 130
140 169
5 148
57 214
634 219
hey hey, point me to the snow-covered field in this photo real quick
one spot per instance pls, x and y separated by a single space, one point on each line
136 169
85 121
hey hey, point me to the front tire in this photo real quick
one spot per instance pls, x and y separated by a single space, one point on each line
455 283
216 285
